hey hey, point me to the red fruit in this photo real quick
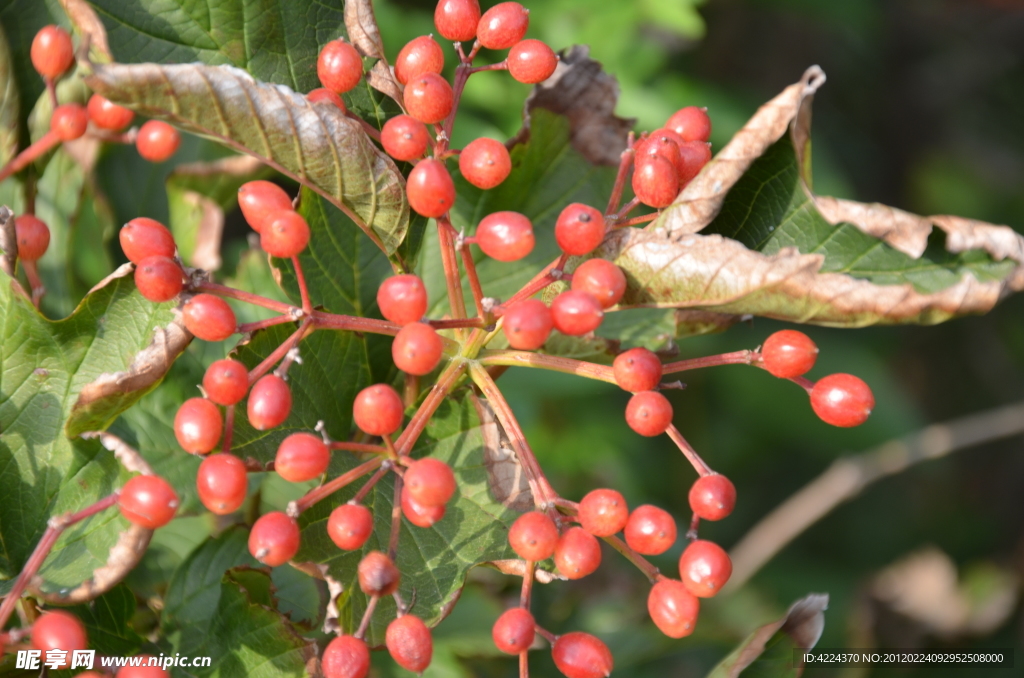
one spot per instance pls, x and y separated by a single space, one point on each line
402 299
663 143
693 155
59 630
788 353
527 324
260 201
514 631
324 94
428 98
417 349
339 66
349 526
377 575
222 483
533 536
420 55
143 237
346 657
378 410
270 402
286 234
503 25
69 121
842 400
404 138
650 531
33 237
209 317
158 278
704 568
226 382
713 497
457 19
531 61
602 279
649 413
198 426
577 553
274 539
418 514
146 670
148 501
430 482
301 457
409 642
579 230
637 370
430 188
655 181
673 608
603 512
105 114
157 141
505 236
576 313
691 123
52 52
581 655
485 163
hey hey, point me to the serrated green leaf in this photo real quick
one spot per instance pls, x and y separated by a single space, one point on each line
302 598
106 622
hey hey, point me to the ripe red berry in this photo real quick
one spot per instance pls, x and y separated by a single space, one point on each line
713 497
485 163
693 155
663 143
157 141
430 482
533 536
788 353
579 229
301 457
409 642
649 413
503 25
378 410
349 526
655 181
377 575
430 188
650 531
673 608
326 95
514 631
59 630
429 98
576 313
260 201
457 19
146 670
704 568
402 299
198 426
209 317
158 278
420 55
417 349
33 236
69 121
404 137
602 279
418 514
286 234
52 51
527 324
691 123
222 483
581 655
226 381
148 501
105 114
142 237
270 402
842 400
274 539
531 61
339 66
603 512
505 236
637 370
577 553
346 657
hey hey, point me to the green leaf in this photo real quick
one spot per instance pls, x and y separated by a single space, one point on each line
302 598
10 104
107 620
21 20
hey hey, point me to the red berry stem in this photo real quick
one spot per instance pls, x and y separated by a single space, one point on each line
368 485
804 383
390 446
246 328
396 521
108 137
527 590
636 221
548 636
450 324
29 155
357 447
540 281
744 357
280 352
547 362
691 454
453 280
438 392
334 321
500 66
317 493
474 281
367 615
626 209
691 534
625 165
247 297
652 573
229 428
524 664
34 281
300 277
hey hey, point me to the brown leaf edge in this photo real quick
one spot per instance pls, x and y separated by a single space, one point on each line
505 477
84 19
8 242
363 32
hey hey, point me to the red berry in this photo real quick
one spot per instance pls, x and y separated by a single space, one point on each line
417 349
286 234
579 229
402 299
270 402
378 410
301 457
430 482
713 497
226 382
430 188
274 539
788 353
663 143
349 526
503 25
157 141
577 553
222 483
533 536
485 163
603 512
691 123
69 121
324 94
527 324
637 370
673 608
418 514
704 568
409 642
59 630
377 575
457 19
514 630
581 655
339 66
346 657
198 426
505 236
420 55
576 313
209 317
404 137
602 279
148 501
531 61
693 155
649 413
105 114
655 181
142 237
145 670
52 51
428 98
33 236
260 201
842 400
650 531
158 278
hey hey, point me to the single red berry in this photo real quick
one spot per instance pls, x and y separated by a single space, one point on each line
649 413
485 163
581 655
260 201
430 482
663 143
143 237
430 188
527 324
222 483
323 94
410 644
69 121
59 630
842 400
270 402
531 61
157 141
673 608
655 181
637 370
704 568
693 155
301 457
418 514
209 317
429 98
349 526
404 138
514 631
226 382
145 670
457 19
52 51
788 353
576 313
417 349
602 279
713 497
346 657
158 278
691 123
503 25
198 426
105 114
579 229
603 512
377 575
286 234
420 55
533 536
33 236
402 299
577 553
148 501
378 410
650 530
505 236
339 66
274 539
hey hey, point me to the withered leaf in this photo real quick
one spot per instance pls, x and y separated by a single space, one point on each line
8 241
361 25
506 479
88 24
382 78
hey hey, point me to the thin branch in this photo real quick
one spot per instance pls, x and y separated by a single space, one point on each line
332 486
734 358
548 362
691 455
249 298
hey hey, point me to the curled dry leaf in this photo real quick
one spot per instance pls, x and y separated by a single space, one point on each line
361 25
382 78
505 476
123 452
8 241
88 24
517 568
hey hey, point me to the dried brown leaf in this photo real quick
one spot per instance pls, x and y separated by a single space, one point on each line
382 78
505 476
517 568
123 452
87 23
694 322
361 25
8 241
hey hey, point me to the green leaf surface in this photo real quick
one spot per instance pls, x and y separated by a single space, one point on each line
21 20
107 620
10 103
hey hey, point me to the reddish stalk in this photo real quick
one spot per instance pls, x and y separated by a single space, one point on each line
229 428
626 209
249 298
438 392
691 454
625 163
547 362
650 571
540 281
245 328
279 352
357 447
527 590
333 321
34 281
500 66
390 446
735 358
396 519
368 485
365 623
451 269
450 324
548 636
691 534
524 664
804 383
332 486
370 130
474 281
300 278
642 219
29 155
